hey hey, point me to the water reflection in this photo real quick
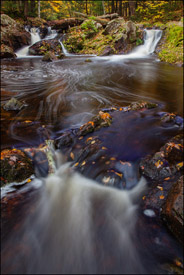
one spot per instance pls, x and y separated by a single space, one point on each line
69 92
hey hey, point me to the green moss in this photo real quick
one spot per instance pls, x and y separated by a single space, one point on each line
139 42
172 50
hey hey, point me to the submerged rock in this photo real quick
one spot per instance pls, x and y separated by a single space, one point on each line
172 212
49 57
13 105
15 166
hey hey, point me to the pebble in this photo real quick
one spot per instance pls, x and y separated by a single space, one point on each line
149 212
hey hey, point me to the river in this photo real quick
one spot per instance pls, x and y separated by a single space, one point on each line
66 233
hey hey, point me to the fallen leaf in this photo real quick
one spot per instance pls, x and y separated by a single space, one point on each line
77 163
29 180
83 163
90 138
120 109
167 178
104 148
72 155
143 197
112 158
118 174
107 162
93 141
160 187
81 137
162 197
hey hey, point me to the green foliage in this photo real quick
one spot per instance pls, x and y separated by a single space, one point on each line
89 28
139 42
172 50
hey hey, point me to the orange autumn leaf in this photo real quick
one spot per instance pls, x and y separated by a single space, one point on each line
83 163
104 148
77 163
72 155
90 138
167 178
162 197
118 174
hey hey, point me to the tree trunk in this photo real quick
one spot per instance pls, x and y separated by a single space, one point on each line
25 9
120 8
38 8
103 6
112 6
86 6
32 6
132 5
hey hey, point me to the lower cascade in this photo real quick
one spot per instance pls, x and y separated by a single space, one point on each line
79 225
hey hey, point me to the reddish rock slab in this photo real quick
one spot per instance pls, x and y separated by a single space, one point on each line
172 212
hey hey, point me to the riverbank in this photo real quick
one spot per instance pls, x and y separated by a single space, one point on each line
96 36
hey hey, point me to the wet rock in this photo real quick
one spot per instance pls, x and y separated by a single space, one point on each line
13 105
99 121
113 25
49 57
13 34
88 60
43 32
45 46
7 52
140 105
165 163
107 51
95 150
42 158
15 166
172 212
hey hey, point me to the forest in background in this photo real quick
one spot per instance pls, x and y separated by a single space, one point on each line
139 10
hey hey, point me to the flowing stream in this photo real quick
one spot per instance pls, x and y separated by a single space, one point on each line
74 225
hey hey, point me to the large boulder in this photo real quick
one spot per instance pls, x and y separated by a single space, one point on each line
113 26
7 52
131 31
13 36
172 211
166 162
45 46
107 51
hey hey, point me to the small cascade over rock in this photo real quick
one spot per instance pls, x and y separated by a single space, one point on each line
35 37
151 40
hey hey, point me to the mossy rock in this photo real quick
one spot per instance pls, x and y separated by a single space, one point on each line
13 105
15 166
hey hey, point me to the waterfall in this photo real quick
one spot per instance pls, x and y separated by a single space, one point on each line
79 225
35 37
66 53
151 40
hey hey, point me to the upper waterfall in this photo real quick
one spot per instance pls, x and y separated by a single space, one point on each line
151 39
